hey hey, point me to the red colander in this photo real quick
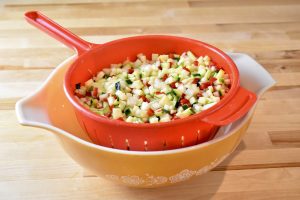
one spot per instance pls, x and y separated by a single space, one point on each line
179 133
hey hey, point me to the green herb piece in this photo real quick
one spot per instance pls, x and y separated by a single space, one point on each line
128 81
127 111
185 107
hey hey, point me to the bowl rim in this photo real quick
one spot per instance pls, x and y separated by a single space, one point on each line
235 84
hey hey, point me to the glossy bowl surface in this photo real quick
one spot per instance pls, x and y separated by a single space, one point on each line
136 168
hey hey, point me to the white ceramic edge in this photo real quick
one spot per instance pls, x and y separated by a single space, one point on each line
19 105
22 120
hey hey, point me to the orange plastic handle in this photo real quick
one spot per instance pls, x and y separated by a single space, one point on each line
58 32
236 108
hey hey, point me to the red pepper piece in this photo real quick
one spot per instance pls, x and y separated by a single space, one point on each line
174 117
120 118
111 107
212 80
108 114
95 92
144 98
211 63
205 85
173 85
196 80
165 77
186 69
88 94
105 100
150 112
199 94
184 101
130 71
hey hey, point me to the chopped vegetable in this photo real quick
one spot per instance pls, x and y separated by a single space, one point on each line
166 88
128 81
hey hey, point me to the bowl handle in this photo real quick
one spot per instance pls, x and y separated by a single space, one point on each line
56 31
234 109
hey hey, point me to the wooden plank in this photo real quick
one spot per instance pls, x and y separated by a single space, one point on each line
261 158
257 29
212 185
66 2
8 103
287 79
281 65
285 138
273 61
15 84
20 42
98 10
229 3
263 14
31 58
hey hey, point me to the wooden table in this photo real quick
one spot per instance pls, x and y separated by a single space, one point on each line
266 165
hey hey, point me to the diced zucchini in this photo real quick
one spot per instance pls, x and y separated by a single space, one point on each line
165 118
220 74
117 113
163 58
153 119
158 112
121 95
164 100
154 56
165 65
137 84
208 105
185 113
191 56
177 92
207 74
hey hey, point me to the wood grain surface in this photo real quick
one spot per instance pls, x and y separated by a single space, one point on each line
266 164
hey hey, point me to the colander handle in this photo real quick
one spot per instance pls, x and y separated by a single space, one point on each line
58 32
236 108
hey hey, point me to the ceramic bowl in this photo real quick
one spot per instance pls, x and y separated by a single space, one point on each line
48 108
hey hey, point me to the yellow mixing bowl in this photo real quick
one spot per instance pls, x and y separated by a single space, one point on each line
48 108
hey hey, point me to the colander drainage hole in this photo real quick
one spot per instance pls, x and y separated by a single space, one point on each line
146 145
182 141
165 145
111 141
198 136
127 144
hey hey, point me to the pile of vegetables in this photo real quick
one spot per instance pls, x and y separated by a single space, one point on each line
162 89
